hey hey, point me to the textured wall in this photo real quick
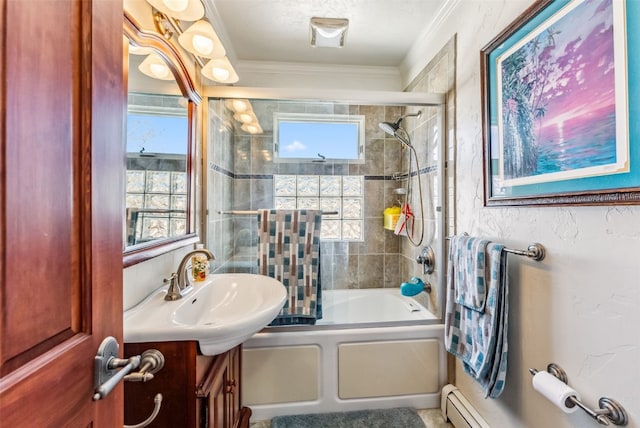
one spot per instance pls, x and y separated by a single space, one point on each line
577 308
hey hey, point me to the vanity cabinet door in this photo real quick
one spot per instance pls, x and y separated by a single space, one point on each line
176 382
220 390
212 392
198 390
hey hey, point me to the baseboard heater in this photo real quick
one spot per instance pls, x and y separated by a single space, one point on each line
457 409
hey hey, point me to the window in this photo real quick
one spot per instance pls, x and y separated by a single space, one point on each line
329 193
318 137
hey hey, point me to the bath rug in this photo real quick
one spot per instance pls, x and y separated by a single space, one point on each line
403 417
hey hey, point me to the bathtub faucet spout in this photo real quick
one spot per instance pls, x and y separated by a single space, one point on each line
414 286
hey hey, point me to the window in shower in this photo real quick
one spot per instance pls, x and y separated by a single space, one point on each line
318 137
343 194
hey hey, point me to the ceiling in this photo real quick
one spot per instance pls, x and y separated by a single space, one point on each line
381 32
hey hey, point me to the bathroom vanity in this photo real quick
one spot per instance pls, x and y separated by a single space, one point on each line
198 390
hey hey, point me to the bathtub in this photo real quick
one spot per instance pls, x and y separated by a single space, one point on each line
372 349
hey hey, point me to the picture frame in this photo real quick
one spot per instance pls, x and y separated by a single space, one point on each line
558 88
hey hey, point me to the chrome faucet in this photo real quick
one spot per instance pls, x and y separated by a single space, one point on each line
178 281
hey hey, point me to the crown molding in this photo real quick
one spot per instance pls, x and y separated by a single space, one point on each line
299 68
415 59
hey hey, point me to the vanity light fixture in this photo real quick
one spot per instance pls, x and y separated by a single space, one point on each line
184 10
238 105
139 50
252 128
154 66
245 117
201 39
220 70
328 32
244 114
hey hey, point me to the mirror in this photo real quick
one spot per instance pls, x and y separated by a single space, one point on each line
161 114
156 171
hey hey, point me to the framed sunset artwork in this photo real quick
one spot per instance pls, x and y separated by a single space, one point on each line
559 96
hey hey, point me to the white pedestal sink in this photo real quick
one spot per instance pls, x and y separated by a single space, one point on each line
220 313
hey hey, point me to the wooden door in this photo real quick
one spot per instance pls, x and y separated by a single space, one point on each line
61 163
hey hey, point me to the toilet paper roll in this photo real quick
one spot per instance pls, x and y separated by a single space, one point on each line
555 391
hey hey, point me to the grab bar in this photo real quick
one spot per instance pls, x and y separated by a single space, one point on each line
534 251
255 212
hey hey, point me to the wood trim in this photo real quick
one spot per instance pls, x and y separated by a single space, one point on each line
244 419
213 377
3 161
167 51
141 37
139 255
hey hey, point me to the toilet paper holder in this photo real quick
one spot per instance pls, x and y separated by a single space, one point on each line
610 410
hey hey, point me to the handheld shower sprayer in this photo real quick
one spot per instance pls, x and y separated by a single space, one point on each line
396 130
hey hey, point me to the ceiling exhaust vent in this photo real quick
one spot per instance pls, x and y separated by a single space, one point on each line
328 32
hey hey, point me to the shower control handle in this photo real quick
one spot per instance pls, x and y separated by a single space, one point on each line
427 259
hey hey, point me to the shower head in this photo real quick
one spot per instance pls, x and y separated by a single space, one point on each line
389 127
395 130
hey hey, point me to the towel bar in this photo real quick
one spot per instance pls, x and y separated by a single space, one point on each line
255 212
534 251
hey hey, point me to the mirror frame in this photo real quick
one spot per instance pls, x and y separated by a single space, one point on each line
170 54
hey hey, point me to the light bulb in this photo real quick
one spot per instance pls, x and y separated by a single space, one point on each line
176 5
240 105
220 73
159 70
220 70
202 44
252 128
245 118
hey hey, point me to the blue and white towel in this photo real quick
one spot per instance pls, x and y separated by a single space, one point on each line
476 316
289 251
470 260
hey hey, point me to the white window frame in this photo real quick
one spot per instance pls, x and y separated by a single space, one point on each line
359 120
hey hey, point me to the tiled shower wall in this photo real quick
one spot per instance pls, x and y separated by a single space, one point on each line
241 171
242 165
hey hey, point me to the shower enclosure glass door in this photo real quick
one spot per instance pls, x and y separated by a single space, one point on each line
245 173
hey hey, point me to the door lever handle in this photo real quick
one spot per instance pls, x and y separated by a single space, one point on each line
106 362
112 363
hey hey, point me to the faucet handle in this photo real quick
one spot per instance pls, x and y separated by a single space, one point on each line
173 293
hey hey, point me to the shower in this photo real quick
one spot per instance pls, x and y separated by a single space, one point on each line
396 130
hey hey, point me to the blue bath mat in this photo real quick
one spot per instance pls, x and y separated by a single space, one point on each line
377 418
